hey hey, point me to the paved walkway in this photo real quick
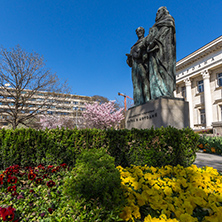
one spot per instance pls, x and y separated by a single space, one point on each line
206 159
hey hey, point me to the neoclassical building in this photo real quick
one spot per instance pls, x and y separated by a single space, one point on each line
199 81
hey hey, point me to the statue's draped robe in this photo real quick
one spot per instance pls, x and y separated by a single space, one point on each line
140 81
162 58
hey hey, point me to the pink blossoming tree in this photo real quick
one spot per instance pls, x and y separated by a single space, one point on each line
102 116
52 122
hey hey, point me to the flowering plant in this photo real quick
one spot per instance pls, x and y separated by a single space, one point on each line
102 116
211 145
21 189
52 122
172 193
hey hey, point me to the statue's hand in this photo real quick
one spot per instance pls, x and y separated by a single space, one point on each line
129 60
128 55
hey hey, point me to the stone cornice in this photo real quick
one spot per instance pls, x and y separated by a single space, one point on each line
200 53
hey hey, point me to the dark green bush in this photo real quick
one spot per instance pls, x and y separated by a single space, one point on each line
157 147
163 146
94 176
96 180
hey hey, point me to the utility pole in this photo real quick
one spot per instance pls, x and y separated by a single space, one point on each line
125 96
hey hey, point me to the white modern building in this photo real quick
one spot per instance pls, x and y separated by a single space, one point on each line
56 104
199 81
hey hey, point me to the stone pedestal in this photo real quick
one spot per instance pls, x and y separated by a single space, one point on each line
163 111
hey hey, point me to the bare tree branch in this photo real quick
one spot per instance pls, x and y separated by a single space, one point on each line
22 76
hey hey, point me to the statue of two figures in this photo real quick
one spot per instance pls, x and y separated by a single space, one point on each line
153 60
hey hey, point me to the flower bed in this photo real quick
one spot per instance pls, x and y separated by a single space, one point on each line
153 194
30 193
172 193
211 145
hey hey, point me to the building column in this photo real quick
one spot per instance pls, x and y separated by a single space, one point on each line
207 98
189 99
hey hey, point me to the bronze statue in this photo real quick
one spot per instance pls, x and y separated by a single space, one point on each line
139 74
158 57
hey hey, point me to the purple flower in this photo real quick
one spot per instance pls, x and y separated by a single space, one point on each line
42 214
20 197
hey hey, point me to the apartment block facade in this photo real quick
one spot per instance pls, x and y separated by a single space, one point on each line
57 104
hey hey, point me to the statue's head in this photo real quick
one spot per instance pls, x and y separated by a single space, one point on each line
161 13
140 31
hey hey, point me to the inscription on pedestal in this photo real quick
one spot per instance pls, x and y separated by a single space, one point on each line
146 116
160 112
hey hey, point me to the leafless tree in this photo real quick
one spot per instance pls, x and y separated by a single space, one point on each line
100 99
23 78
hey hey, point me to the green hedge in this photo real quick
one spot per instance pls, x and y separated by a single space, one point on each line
157 147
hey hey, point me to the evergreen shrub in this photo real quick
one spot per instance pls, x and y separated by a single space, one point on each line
94 175
95 179
154 147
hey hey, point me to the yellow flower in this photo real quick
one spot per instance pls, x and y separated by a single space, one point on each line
126 214
140 199
153 169
183 182
187 217
136 185
168 191
148 218
176 187
191 186
136 211
178 212
188 207
212 218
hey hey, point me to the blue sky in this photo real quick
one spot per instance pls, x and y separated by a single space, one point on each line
85 41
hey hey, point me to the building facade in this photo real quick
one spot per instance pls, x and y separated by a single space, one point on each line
46 103
199 81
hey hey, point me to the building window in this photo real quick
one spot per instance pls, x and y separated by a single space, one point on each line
219 77
202 116
200 86
183 90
